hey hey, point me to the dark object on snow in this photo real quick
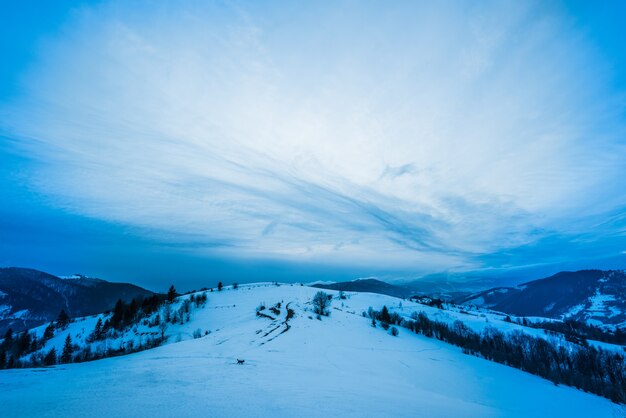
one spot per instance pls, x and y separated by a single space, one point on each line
240 361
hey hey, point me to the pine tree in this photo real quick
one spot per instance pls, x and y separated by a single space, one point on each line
24 343
97 332
219 286
50 358
63 319
49 332
171 294
34 344
118 314
68 350
133 308
384 315
8 337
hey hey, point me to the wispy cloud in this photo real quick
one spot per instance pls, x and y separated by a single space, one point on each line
416 135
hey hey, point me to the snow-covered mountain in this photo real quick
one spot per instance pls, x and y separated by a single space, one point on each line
294 364
595 296
30 297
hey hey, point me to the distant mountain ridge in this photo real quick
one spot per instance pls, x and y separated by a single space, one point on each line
433 287
594 296
29 298
369 286
443 289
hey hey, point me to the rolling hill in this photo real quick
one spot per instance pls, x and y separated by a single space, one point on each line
369 286
30 297
595 296
293 365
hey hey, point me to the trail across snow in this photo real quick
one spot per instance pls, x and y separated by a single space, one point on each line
339 366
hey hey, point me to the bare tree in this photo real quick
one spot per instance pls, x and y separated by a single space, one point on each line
321 303
162 328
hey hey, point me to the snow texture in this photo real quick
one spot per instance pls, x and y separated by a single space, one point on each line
339 366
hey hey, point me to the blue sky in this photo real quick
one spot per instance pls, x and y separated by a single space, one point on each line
193 141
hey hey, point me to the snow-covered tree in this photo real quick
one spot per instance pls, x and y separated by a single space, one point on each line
98 331
162 328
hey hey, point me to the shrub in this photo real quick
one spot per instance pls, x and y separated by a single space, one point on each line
321 303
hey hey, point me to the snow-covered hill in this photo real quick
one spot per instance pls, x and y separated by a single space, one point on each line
30 297
298 366
595 296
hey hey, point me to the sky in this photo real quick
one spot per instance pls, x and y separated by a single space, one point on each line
196 141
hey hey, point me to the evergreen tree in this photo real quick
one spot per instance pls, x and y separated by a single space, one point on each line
68 350
384 315
34 344
49 332
171 294
219 286
50 358
24 343
97 332
63 319
133 308
118 314
8 337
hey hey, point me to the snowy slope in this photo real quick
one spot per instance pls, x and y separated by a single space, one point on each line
339 366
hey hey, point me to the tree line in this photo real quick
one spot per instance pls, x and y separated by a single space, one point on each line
578 331
589 368
15 348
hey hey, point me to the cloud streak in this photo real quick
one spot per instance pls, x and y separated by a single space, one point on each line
411 135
